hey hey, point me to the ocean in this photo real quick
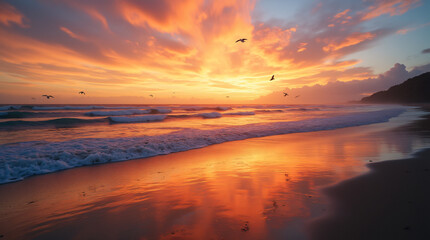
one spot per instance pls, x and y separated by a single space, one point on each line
39 139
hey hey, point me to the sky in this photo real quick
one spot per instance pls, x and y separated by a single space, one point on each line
185 51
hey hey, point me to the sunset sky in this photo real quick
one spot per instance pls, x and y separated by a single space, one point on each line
185 51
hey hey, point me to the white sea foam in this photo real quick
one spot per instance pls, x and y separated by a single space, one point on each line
240 113
21 160
210 115
148 118
117 113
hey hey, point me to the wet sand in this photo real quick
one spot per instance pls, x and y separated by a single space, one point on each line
390 202
262 188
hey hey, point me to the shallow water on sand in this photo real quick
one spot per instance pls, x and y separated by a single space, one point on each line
261 188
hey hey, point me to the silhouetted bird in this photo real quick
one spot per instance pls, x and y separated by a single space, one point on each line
151 95
241 40
227 96
273 78
48 96
297 96
285 94
82 92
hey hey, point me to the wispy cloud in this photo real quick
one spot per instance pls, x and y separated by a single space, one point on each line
10 15
390 7
410 29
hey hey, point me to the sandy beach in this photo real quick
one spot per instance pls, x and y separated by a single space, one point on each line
262 188
390 202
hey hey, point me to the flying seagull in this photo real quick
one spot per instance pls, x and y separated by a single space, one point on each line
273 78
297 96
227 96
151 95
241 40
48 96
82 92
285 94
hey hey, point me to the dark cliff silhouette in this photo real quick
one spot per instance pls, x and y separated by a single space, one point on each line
413 90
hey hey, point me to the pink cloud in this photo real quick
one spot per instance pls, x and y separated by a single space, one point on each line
391 7
353 39
341 14
9 14
72 34
330 35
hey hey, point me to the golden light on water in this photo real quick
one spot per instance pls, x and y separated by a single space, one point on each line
272 184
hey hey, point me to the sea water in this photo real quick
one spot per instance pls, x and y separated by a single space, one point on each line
48 138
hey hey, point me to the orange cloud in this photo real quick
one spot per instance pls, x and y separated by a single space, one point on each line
71 34
403 31
344 64
351 40
272 39
340 18
134 47
163 15
341 14
9 14
391 7
302 47
97 15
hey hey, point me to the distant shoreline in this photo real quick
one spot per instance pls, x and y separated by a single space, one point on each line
413 90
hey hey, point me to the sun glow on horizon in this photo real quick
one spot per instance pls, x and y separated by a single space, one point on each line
124 51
